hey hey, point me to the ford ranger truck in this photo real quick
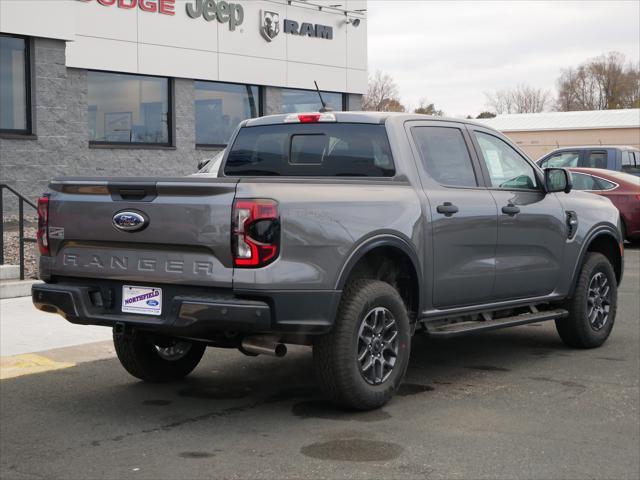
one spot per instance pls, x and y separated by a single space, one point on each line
346 232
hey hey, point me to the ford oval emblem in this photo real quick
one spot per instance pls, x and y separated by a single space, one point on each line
129 221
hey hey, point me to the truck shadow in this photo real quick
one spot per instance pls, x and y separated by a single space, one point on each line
227 378
103 406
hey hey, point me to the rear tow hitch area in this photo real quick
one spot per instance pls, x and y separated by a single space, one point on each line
121 329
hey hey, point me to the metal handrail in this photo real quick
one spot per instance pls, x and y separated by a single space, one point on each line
21 201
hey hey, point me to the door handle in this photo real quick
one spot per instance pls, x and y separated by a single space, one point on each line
447 208
510 209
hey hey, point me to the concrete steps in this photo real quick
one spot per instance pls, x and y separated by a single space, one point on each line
9 272
10 284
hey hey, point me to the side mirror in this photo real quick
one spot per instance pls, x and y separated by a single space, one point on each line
558 180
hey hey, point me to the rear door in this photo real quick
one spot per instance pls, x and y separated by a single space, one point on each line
461 213
185 238
531 223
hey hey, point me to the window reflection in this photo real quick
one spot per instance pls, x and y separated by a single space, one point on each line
127 108
220 107
296 101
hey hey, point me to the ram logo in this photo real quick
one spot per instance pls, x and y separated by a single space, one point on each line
269 25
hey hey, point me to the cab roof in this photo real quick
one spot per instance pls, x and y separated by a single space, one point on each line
358 117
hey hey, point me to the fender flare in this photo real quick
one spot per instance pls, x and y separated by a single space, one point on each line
591 236
377 241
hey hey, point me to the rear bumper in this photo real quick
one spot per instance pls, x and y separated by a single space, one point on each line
201 314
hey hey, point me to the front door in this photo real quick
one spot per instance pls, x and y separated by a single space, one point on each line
531 223
461 216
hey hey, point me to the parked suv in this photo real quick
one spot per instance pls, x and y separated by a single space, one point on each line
343 231
620 159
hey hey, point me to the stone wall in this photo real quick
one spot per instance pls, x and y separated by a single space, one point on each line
60 146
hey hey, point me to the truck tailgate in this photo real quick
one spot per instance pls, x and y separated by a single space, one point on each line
185 239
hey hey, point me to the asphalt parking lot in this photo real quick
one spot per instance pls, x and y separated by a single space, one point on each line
509 404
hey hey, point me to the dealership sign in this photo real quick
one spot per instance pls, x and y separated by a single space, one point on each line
270 27
224 12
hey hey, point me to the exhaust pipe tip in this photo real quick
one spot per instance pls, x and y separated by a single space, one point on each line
265 345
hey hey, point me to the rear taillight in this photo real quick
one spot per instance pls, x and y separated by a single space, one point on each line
255 238
43 225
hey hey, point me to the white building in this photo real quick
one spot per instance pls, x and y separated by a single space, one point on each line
539 133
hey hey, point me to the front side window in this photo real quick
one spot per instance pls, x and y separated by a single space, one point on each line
507 168
561 160
445 156
14 85
321 149
128 109
220 107
582 181
596 159
296 101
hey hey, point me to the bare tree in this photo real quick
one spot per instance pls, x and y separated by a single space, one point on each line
426 108
522 99
604 82
382 94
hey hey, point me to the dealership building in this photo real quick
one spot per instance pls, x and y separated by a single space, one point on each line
150 87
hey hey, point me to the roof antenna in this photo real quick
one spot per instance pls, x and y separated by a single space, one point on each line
324 108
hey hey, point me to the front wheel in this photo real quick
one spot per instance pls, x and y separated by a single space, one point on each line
362 362
592 310
157 361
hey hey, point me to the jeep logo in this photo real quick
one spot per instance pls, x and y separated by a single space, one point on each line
233 13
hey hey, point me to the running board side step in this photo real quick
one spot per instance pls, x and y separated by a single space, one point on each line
451 330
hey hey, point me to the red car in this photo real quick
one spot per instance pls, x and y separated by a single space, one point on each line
622 189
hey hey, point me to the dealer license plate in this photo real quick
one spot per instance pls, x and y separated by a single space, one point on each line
142 300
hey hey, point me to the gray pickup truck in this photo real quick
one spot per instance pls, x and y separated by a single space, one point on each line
344 231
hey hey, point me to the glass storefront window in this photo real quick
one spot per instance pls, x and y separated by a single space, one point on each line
128 109
14 85
220 107
296 101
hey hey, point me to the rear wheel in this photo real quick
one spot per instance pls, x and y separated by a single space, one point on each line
157 361
592 310
362 362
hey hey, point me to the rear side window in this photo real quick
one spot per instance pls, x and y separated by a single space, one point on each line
605 184
561 159
318 149
596 159
582 181
445 156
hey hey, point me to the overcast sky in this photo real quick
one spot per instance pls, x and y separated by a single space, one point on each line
452 52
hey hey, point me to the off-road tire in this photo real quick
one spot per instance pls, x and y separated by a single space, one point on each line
335 354
575 329
139 356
